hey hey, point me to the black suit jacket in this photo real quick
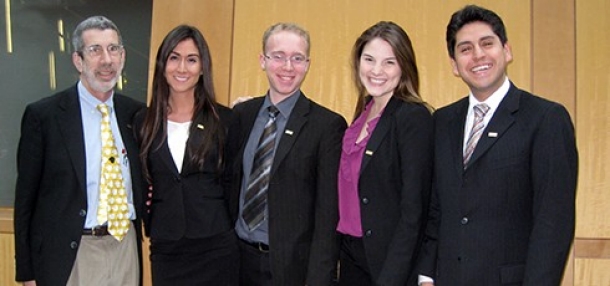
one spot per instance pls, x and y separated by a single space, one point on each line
51 196
508 218
191 203
394 189
302 195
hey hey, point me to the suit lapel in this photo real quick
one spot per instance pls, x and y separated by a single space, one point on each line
70 125
124 119
297 119
165 155
195 140
456 131
383 127
502 119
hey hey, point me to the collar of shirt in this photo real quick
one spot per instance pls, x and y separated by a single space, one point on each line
493 101
285 106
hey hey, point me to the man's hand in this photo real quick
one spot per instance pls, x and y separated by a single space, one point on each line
29 283
240 100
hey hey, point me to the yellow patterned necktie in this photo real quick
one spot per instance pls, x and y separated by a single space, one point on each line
112 204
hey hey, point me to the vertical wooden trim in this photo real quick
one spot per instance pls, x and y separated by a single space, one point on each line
554 51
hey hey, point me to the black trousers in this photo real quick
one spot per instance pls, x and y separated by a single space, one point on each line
255 269
353 266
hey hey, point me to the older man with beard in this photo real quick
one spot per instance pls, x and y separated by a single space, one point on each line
75 222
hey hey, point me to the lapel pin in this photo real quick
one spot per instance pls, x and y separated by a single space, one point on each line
492 134
200 126
288 132
368 152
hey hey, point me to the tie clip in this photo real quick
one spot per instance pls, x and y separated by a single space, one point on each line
200 126
288 132
492 134
368 152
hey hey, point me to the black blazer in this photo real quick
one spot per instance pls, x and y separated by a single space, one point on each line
508 219
51 196
302 195
394 189
191 203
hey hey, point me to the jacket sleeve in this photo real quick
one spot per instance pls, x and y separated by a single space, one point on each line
29 174
324 250
554 171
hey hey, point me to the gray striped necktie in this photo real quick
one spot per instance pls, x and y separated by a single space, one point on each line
477 129
255 201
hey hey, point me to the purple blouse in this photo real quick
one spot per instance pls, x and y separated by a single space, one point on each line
349 173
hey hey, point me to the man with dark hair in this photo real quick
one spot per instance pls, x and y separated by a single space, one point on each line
506 164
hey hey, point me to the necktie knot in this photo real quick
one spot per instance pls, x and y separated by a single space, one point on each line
481 109
273 111
103 108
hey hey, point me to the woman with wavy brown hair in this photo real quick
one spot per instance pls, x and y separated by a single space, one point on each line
385 169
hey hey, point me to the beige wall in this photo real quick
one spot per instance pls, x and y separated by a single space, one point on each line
560 50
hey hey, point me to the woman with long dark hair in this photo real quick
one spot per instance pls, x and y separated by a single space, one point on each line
182 138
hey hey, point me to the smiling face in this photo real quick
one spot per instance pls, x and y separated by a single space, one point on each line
99 74
286 77
480 59
183 68
379 70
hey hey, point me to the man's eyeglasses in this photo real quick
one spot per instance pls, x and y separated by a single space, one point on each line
97 50
281 59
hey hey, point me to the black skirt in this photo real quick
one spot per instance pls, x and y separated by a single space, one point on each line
204 261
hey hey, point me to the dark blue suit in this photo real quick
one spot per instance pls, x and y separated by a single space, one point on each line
508 218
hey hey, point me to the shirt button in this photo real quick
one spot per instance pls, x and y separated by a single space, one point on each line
464 220
365 200
73 245
368 232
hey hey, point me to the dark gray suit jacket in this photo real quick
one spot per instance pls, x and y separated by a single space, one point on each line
508 219
302 196
51 193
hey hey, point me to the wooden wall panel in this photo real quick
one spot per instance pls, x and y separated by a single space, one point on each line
335 25
7 248
553 57
593 132
592 272
593 121
7 261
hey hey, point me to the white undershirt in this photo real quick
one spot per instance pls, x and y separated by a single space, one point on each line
177 135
